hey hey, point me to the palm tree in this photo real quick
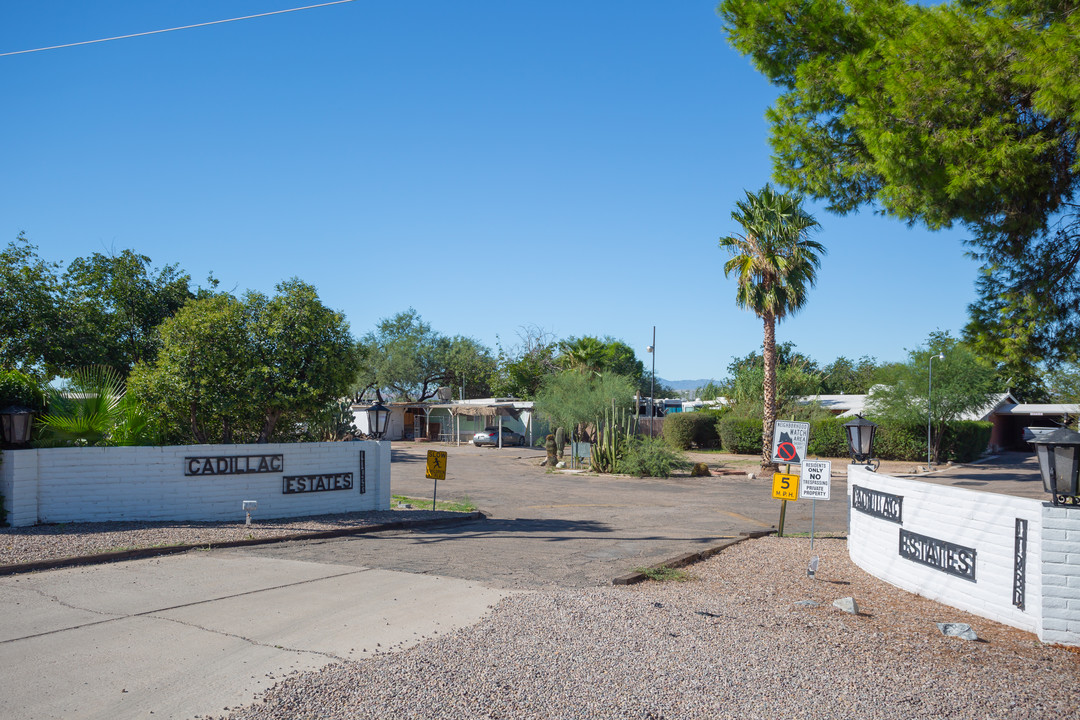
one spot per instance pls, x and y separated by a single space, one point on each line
775 263
92 408
584 354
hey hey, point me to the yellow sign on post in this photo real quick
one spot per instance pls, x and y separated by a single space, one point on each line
436 465
785 487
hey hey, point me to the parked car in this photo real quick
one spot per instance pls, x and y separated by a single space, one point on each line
490 436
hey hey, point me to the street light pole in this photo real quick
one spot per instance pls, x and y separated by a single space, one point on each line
929 415
652 380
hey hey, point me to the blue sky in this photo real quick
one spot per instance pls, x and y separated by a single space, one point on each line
493 164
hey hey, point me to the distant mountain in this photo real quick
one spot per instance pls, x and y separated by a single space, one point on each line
684 384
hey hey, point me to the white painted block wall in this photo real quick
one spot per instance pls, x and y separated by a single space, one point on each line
148 483
980 520
1061 575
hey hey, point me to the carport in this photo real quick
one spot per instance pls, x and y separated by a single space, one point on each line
478 413
1010 421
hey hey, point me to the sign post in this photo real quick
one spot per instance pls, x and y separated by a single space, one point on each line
815 484
436 470
789 443
784 487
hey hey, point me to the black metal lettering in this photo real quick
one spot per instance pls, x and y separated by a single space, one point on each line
316 483
233 464
878 504
941 555
363 473
1020 563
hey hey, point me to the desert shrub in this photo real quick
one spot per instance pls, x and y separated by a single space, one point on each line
650 457
682 430
740 435
965 440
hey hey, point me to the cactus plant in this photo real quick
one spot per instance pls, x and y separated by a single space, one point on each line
560 441
549 446
613 435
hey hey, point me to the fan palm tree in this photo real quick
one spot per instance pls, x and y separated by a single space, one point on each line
92 408
775 263
584 354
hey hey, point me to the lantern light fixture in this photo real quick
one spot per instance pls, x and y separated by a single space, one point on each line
860 437
1059 465
378 417
15 424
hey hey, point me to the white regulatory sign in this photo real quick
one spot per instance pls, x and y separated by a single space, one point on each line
789 440
816 480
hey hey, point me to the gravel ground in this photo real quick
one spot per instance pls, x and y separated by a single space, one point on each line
731 642
53 542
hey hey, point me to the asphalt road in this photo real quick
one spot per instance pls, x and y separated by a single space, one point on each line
561 529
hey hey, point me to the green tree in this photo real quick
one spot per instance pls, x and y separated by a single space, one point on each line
962 383
201 384
410 359
103 310
845 377
304 353
469 363
797 377
709 391
961 112
29 310
593 354
775 263
231 370
520 370
1063 383
572 399
116 303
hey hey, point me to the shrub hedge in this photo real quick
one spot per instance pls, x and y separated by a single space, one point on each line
827 438
740 435
18 388
963 441
681 430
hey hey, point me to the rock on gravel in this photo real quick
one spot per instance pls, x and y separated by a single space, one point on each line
731 643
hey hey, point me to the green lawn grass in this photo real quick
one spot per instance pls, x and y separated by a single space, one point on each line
464 505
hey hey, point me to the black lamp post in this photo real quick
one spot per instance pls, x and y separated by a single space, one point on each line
860 438
15 423
378 416
1059 465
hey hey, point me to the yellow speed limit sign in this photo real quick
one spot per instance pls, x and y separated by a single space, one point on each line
436 465
785 487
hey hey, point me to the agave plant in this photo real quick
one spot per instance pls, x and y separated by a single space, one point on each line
91 408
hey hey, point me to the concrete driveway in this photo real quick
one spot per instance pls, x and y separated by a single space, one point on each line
195 634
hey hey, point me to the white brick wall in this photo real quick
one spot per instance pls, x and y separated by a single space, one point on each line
979 520
148 483
1061 575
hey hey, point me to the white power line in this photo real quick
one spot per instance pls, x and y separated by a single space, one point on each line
184 27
